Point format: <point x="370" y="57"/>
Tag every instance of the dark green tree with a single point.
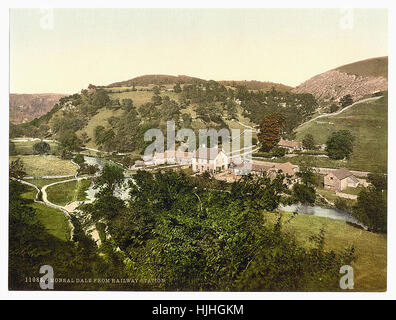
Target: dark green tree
<point x="371" y="207"/>
<point x="308" y="142"/>
<point x="340" y="145"/>
<point x="41" y="147"/>
<point x="346" y="101"/>
<point x="111" y="177"/>
<point x="17" y="169"/>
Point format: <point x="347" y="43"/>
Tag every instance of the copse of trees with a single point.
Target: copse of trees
<point x="294" y="108"/>
<point x="340" y="145"/>
<point x="197" y="238"/>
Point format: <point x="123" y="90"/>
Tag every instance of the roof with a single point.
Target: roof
<point x="260" y="168"/>
<point x="287" y="168"/>
<point x="207" y="153"/>
<point x="342" y="173"/>
<point x="289" y="143"/>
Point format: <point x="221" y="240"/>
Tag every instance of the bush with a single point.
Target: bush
<point x="79" y="159"/>
<point x="279" y="152"/>
<point x="342" y="204"/>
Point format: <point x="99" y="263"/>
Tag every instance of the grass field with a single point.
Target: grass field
<point x="64" y="193"/>
<point x="42" y="182"/>
<point x="53" y="220"/>
<point x="141" y="97"/>
<point x="49" y="165"/>
<point x="26" y="147"/>
<point x="368" y="122"/>
<point x="371" y="249"/>
<point x="99" y="119"/>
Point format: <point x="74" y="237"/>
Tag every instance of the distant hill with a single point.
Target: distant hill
<point x="375" y="67"/>
<point x="156" y="79"/>
<point x="358" y="79"/>
<point x="162" y="79"/>
<point x="26" y="107"/>
<point x="256" y="85"/>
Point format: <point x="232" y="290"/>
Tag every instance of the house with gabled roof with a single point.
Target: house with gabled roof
<point x="209" y="159"/>
<point x="290" y="145"/>
<point x="340" y="179"/>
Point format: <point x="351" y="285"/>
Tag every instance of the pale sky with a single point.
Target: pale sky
<point x="101" y="46"/>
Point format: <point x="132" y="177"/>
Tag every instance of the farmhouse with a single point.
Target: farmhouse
<point x="290" y="145"/>
<point x="340" y="179"/>
<point x="245" y="168"/>
<point x="209" y="159"/>
<point x="271" y="169"/>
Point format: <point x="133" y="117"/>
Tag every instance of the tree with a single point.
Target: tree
<point x="127" y="104"/>
<point x="333" y="108"/>
<point x="41" y="147"/>
<point x="340" y="145"/>
<point x="177" y="88"/>
<point x="270" y="131"/>
<point x="156" y="99"/>
<point x="371" y="207"/>
<point x="79" y="159"/>
<point x="304" y="191"/>
<point x="346" y="101"/>
<point x="69" y="140"/>
<point x="156" y="90"/>
<point x="17" y="169"/>
<point x="379" y="181"/>
<point x="278" y="152"/>
<point x="308" y="142"/>
<point x="12" y="149"/>
<point x="85" y="138"/>
<point x="111" y="177"/>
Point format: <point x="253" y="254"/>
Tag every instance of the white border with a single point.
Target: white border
<point x="4" y="21"/>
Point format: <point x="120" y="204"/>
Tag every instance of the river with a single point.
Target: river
<point x="331" y="213"/>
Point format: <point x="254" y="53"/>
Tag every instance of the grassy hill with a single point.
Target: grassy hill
<point x="375" y="67"/>
<point x="368" y="122"/>
<point x="370" y="248"/>
<point x="156" y="79"/>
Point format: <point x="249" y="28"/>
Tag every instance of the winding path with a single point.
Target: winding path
<point x="340" y="111"/>
<point x="49" y="204"/>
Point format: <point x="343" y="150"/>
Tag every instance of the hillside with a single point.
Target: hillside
<point x="155" y="79"/>
<point x="26" y="107"/>
<point x="358" y="79"/>
<point x="368" y="122"/>
<point x="375" y="67"/>
<point x="256" y="85"/>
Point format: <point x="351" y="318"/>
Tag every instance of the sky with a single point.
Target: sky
<point x="64" y="50"/>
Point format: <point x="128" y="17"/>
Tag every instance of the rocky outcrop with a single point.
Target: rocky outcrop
<point x="333" y="85"/>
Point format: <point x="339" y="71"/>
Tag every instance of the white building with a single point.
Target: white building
<point x="210" y="159"/>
